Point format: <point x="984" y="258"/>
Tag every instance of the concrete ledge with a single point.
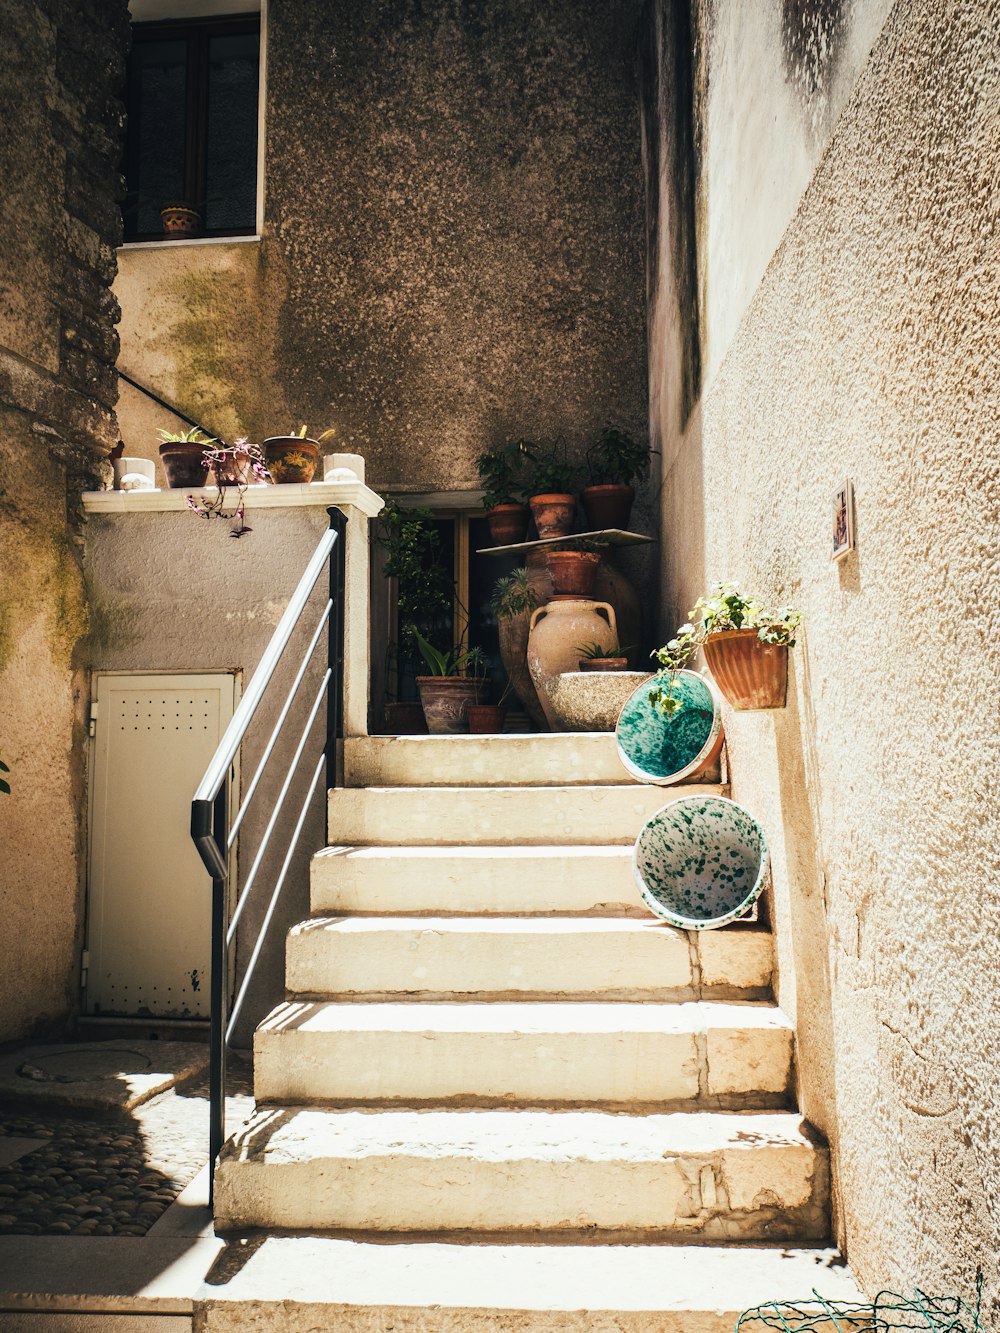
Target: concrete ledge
<point x="344" y="494"/>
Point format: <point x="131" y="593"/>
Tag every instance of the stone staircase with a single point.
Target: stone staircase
<point x="493" y="1066"/>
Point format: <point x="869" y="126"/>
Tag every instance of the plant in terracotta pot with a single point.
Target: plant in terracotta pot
<point x="448" y="688"/>
<point x="552" y="490"/>
<point x="487" y="718"/>
<point x="573" y="567"/>
<point x="595" y="657"/>
<point x="614" y="464"/>
<point x="746" y="645"/>
<point x="295" y="457"/>
<point x="512" y="603"/>
<point x="500" y="472"/>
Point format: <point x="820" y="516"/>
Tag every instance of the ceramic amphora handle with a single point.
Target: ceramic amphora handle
<point x="536" y="615"/>
<point x="606" y="606"/>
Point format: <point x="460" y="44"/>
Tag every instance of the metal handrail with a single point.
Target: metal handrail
<point x="214" y="826"/>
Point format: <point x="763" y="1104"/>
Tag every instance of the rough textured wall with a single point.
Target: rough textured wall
<point x="63" y="63"/>
<point x="452" y="249"/>
<point x="870" y="351"/>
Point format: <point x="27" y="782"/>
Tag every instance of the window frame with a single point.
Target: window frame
<point x="196" y="33"/>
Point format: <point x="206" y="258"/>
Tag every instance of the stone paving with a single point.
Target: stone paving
<point x="86" y="1174"/>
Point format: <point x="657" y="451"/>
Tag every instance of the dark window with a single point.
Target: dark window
<point x="192" y="125"/>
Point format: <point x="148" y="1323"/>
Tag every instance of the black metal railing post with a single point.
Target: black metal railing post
<point x="215" y="824"/>
<point x="219" y="987"/>
<point x="335" y="649"/>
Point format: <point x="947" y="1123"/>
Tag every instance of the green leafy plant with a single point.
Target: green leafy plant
<point x="513" y="596"/>
<point x="617" y="459"/>
<point x="303" y="434"/>
<point x="501" y="472"/>
<point x="725" y="608"/>
<point x="594" y="652"/>
<point x="193" y="436"/>
<point x="551" y="472"/>
<point x="413" y="546"/>
<point x="457" y="661"/>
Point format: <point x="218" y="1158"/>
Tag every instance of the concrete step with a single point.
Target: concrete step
<point x="611" y="1054"/>
<point x="710" y="1175"/>
<point x="559" y="759"/>
<point x="289" y="1284"/>
<point x="498" y="816"/>
<point x="558" y="957"/>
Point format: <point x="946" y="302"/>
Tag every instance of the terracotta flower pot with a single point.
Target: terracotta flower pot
<point x="444" y="700"/>
<point x="485" y="719"/>
<point x="508" y="524"/>
<point x="573" y="572"/>
<point x="182" y="464"/>
<point x="179" y="219"/>
<point x="405" y="719"/>
<point x="553" y="514"/>
<point x="291" y="459"/>
<point x="607" y="506"/>
<point x="749" y="673"/>
<point x="604" y="664"/>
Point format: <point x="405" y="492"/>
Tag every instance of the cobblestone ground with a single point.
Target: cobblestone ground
<point x="109" y="1175"/>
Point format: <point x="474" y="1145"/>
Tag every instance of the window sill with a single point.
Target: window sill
<point x="190" y="240"/>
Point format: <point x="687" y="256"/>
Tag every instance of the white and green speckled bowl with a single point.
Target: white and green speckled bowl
<point x="700" y="862"/>
<point x="661" y="749"/>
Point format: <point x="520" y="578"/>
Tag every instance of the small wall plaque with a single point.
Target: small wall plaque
<point x="843" y="520"/>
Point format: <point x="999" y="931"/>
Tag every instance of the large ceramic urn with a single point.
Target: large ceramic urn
<point x="557" y="631"/>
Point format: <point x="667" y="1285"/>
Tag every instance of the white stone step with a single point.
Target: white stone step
<point x="601" y="957"/>
<point x="523" y="1053"/>
<point x="498" y="816"/>
<point x="291" y="1284"/>
<point x="714" y="1176"/>
<point x="559" y="759"/>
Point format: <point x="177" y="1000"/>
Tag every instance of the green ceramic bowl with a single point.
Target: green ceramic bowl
<point x="700" y="862"/>
<point x="659" y="749"/>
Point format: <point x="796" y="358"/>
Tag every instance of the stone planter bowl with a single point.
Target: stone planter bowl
<point x="592" y="700"/>
<point x="700" y="862"/>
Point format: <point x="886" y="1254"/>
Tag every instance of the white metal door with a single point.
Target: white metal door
<point x="149" y="904"/>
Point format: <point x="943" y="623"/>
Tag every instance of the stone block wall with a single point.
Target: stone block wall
<point x="60" y="106"/>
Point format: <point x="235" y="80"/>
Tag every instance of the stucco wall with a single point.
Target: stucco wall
<point x="63" y="64"/>
<point x="171" y="592"/>
<point x="869" y="350"/>
<point x="452" y="249"/>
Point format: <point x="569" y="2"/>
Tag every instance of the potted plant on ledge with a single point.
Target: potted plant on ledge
<point x="294" y="458"/>
<point x="503" y="499"/>
<point x="552" y="493"/>
<point x="448" y="689"/>
<point x="614" y="463"/>
<point x="746" y="645"/>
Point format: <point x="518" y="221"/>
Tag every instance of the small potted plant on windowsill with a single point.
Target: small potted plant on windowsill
<point x="503" y="498"/>
<point x="179" y="219"/>
<point x="746" y="645"/>
<point x="182" y="455"/>
<point x="552" y="492"/>
<point x="295" y="457"/>
<point x="448" y="689"/>
<point x="614" y="463"/>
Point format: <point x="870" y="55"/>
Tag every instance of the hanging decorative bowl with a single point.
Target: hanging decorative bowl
<point x="700" y="862"/>
<point x="662" y="749"/>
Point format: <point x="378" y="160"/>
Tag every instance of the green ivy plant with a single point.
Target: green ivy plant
<point x="501" y="471"/>
<point x="413" y="546"/>
<point x="725" y="608"/>
<point x="617" y="459"/>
